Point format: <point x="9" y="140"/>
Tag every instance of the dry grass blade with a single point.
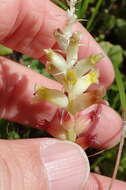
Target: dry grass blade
<point x="97" y="153"/>
<point x="118" y="156"/>
<point x="122" y="94"/>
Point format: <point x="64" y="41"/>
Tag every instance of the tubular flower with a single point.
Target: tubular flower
<point x="76" y="76"/>
<point x="53" y="96"/>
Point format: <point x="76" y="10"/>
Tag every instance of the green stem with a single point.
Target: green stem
<point x="83" y="8"/>
<point x="90" y="22"/>
<point x="60" y="3"/>
<point x="122" y="95"/>
<point x="121" y="89"/>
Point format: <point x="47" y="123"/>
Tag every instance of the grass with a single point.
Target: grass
<point x="95" y="12"/>
<point x="107" y="22"/>
<point x="82" y="8"/>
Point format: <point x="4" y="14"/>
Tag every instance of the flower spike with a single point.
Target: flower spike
<point x="76" y="76"/>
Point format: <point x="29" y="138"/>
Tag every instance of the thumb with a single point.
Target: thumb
<point x="46" y="164"/>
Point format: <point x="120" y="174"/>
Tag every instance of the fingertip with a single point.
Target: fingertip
<point x="107" y="73"/>
<point x="109" y="128"/>
<point x="41" y="17"/>
<point x="66" y="164"/>
<point x="104" y="130"/>
<point x="45" y="163"/>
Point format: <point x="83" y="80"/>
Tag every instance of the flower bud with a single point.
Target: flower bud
<point x="51" y="95"/>
<point x="83" y="83"/>
<point x="85" y="65"/>
<point x="61" y="39"/>
<point x="62" y="126"/>
<point x="73" y="48"/>
<point x="56" y="60"/>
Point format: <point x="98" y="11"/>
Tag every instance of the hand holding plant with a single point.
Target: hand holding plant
<point x="57" y="105"/>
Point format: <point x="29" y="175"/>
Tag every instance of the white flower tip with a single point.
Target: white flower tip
<point x="48" y="53"/>
<point x="75" y="38"/>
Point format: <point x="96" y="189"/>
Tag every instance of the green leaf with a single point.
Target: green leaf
<point x="82" y="8"/>
<point x="95" y="12"/>
<point x="115" y="52"/>
<point x="121" y="89"/>
<point x="108" y="21"/>
<point x="13" y="135"/>
<point x="5" y="51"/>
<point x="120" y="30"/>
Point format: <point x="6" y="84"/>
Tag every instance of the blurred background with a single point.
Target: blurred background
<point x="106" y="20"/>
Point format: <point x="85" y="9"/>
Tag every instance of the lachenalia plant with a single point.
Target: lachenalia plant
<point x="78" y="104"/>
<point x="76" y="76"/>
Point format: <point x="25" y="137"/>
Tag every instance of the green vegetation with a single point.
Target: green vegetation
<point x="106" y="20"/>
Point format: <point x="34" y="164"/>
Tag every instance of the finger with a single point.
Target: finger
<point x="17" y="87"/>
<point x="29" y="25"/>
<point x="45" y="164"/>
<point x="98" y="182"/>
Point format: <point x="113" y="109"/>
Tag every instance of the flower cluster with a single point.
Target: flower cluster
<point x="75" y="75"/>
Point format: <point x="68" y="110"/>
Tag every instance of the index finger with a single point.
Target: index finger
<point x="29" y="25"/>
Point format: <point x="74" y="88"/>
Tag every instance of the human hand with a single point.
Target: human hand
<point x="28" y="27"/>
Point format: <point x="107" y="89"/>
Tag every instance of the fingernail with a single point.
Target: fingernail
<point x="66" y="165"/>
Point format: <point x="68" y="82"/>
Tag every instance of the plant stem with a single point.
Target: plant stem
<point x="98" y="161"/>
<point x="121" y="89"/>
<point x="90" y="22"/>
<point x="83" y="8"/>
<point x="118" y="157"/>
<point x="60" y="3"/>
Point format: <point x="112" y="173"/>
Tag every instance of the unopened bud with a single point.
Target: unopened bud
<point x="56" y="59"/>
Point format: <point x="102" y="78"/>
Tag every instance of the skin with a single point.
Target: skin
<point x="27" y="26"/>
